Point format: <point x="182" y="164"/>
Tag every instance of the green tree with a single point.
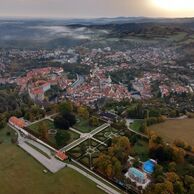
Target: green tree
<point x="179" y="188"/>
<point x="2" y="121"/>
<point x="66" y="107"/>
<point x="191" y="189"/>
<point x="61" y="123"/>
<point x="158" y="171"/>
<point x="188" y="180"/>
<point x="172" y="167"/>
<point x="70" y="118"/>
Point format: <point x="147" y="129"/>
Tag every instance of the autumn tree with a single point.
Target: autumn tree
<point x="109" y="166"/>
<point x="94" y="121"/>
<point x="178" y="154"/>
<point x="163" y="188"/>
<point x="120" y="148"/>
<point x="43" y="129"/>
<point x="110" y="163"/>
<point x="83" y="112"/>
<point x="172" y="177"/>
<point x="160" y="188"/>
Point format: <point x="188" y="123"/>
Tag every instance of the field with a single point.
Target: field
<point x="176" y="129"/>
<point x="22" y="174"/>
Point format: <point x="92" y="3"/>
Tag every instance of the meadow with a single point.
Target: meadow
<point x="177" y="129"/>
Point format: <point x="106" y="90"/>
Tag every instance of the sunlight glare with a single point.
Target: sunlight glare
<point x="173" y="5"/>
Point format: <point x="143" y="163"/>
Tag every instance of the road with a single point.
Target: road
<point x="78" y="82"/>
<point x="99" y="129"/>
<point x="52" y="164"/>
<point x="128" y="122"/>
<point x="45" y="118"/>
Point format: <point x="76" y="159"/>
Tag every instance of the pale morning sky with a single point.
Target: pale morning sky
<point x="96" y="8"/>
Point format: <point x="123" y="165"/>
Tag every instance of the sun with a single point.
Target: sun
<point x="175" y="5"/>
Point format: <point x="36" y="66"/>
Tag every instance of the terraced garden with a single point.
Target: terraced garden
<point x="87" y="152"/>
<point x="108" y="133"/>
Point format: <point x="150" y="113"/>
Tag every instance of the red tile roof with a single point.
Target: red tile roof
<point x="37" y="91"/>
<point x="18" y="122"/>
<point x="61" y="155"/>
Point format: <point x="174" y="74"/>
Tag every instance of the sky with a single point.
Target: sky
<point x="96" y="8"/>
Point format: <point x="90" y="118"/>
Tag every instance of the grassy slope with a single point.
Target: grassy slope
<point x="20" y="173"/>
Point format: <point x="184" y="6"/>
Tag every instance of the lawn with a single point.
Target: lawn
<point x="172" y="130"/>
<point x="20" y="173"/>
<point x="141" y="149"/>
<point x="35" y="127"/>
<point x="51" y="138"/>
<point x="6" y="134"/>
<point x="83" y="125"/>
<point x="136" y="125"/>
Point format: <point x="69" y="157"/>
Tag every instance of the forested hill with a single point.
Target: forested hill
<point x="154" y="29"/>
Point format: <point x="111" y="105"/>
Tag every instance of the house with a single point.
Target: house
<point x="37" y="94"/>
<point x="61" y="155"/>
<point x="17" y="122"/>
<point x="138" y="176"/>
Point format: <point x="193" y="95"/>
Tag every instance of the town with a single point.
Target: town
<point x="113" y="114"/>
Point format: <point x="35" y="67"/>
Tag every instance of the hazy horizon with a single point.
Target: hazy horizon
<point x="86" y="9"/>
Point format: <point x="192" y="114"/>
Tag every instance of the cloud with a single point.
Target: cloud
<point x="66" y="32"/>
